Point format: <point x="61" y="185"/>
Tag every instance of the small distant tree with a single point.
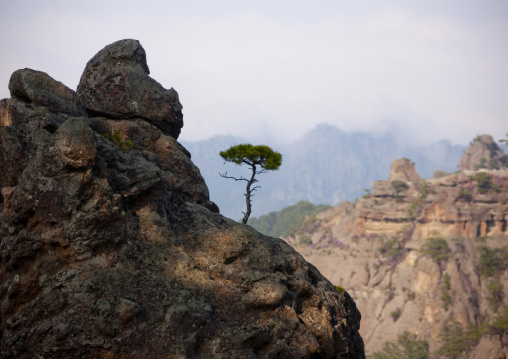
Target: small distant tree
<point x="406" y="347"/>
<point x="504" y="140"/>
<point x="260" y="158"/>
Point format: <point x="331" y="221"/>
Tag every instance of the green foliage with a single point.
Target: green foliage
<point x="500" y="323"/>
<point x="261" y="155"/>
<point x="117" y="139"/>
<point x="496" y="294"/>
<point x="483" y="182"/>
<point x="396" y="314"/>
<point x="504" y="140"/>
<point x="392" y="249"/>
<point x="287" y="221"/>
<point x="339" y="288"/>
<point x="466" y="194"/>
<point x="446" y="288"/>
<point x="406" y="347"/>
<point x="437" y="249"/>
<point x="399" y="186"/>
<point x="456" y="340"/>
<point x="304" y="240"/>
<point x="367" y="193"/>
<point x="492" y="261"/>
<point x="255" y="156"/>
<point x="482" y="239"/>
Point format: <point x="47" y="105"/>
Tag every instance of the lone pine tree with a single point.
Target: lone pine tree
<point x="260" y="158"/>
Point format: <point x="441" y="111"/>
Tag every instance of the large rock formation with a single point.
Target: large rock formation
<point x="111" y="248"/>
<point x="417" y="258"/>
<point x="484" y="153"/>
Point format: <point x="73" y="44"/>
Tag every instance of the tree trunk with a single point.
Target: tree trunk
<point x="248" y="194"/>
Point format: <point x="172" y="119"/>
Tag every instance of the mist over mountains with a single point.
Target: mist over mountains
<point x="325" y="166"/>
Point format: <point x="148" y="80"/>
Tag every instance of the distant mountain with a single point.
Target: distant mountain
<point x="326" y="166"/>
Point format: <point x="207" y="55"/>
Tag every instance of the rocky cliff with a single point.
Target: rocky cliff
<point x="420" y="256"/>
<point x="111" y="248"/>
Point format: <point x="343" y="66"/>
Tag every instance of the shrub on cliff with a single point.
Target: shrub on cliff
<point x="406" y="347"/>
<point x="399" y="187"/>
<point x="496" y="294"/>
<point x="437" y="249"/>
<point x="457" y="340"/>
<point x="493" y="260"/>
<point x="500" y="324"/>
<point x="483" y="182"/>
<point x="446" y="287"/>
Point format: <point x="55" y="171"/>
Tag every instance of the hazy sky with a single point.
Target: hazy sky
<point x="274" y="69"/>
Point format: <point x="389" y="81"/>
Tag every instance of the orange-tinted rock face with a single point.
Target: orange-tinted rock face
<point x="373" y="249"/>
<point x="110" y="250"/>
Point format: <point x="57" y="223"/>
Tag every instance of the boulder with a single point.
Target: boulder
<point x="37" y="95"/>
<point x="39" y="88"/>
<point x="115" y="84"/>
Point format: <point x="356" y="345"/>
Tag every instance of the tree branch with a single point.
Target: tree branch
<point x="225" y="175"/>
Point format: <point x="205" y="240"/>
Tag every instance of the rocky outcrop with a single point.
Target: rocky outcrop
<point x="483" y="153"/>
<point x="111" y="248"/>
<point x="403" y="170"/>
<point x="375" y="248"/>
<point x="116" y="84"/>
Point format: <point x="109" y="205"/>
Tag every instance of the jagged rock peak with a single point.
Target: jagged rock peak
<point x="115" y="84"/>
<point x="111" y="248"/>
<point x="483" y="153"/>
<point x="404" y="170"/>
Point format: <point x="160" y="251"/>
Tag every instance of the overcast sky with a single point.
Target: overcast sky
<point x="274" y="69"/>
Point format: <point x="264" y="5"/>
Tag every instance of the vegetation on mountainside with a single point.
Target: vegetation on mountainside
<point x="437" y="249"/>
<point x="499" y="325"/>
<point x="392" y="249"/>
<point x="406" y="347"/>
<point x="483" y="182"/>
<point x="492" y="260"/>
<point x="496" y="294"/>
<point x="287" y="220"/>
<point x="399" y="187"/>
<point x="457" y="340"/>
<point x="260" y="158"/>
<point x="446" y="288"/>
